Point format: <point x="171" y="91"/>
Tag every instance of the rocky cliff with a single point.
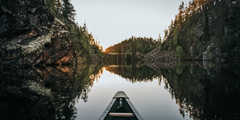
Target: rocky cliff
<point x="30" y="34"/>
<point x="206" y="30"/>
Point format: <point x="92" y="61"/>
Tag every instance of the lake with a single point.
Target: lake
<point x="150" y="98"/>
<point x="189" y="91"/>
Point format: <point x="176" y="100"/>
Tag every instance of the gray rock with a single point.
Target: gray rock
<point x="36" y="44"/>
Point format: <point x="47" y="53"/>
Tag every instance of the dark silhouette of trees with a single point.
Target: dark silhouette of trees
<point x="68" y="11"/>
<point x="134" y="45"/>
<point x="180" y="16"/>
<point x="176" y="36"/>
<point x="83" y="42"/>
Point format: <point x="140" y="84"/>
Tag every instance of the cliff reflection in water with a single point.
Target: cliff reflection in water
<point x="201" y="93"/>
<point x="209" y="94"/>
<point x="47" y="93"/>
<point x="50" y="93"/>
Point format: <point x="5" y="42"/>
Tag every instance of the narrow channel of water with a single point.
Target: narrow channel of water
<point x="150" y="98"/>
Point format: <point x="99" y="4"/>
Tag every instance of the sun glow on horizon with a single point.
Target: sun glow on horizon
<point x="111" y="22"/>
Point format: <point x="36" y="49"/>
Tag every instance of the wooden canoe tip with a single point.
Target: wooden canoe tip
<point x="121" y="114"/>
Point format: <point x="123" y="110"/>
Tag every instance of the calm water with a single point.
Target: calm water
<point x="193" y="91"/>
<point x="150" y="98"/>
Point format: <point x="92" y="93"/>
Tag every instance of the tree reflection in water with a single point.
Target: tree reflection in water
<point x="47" y="93"/>
<point x="201" y="93"/>
<point x="50" y="93"/>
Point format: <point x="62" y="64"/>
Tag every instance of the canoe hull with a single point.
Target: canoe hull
<point x="120" y="108"/>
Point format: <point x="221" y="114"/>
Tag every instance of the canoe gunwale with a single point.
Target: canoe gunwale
<point x="120" y="94"/>
<point x="107" y="109"/>
<point x="134" y="109"/>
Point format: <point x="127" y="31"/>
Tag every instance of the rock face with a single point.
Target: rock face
<point x="22" y="16"/>
<point x="30" y="34"/>
<point x="209" y="33"/>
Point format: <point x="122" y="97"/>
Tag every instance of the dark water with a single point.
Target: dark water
<point x="192" y="91"/>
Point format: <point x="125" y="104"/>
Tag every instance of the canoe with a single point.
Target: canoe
<point x="120" y="108"/>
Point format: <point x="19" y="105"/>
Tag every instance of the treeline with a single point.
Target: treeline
<point x="83" y="42"/>
<point x="173" y="36"/>
<point x="185" y="12"/>
<point x="202" y="27"/>
<point x="134" y="45"/>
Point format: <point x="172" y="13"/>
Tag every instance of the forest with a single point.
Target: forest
<point x="82" y="41"/>
<point x="52" y="68"/>
<point x="133" y="45"/>
<point x="204" y="29"/>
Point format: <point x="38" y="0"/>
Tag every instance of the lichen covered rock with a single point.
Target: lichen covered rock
<point x="31" y="35"/>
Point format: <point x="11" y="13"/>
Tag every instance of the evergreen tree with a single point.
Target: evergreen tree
<point x="159" y="38"/>
<point x="181" y="15"/>
<point x="68" y="11"/>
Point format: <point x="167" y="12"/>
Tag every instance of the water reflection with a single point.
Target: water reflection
<point x="201" y="93"/>
<point x="133" y="73"/>
<point x="46" y="93"/>
<point x="185" y="91"/>
<point x="210" y="94"/>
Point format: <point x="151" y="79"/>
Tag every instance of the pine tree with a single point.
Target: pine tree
<point x="159" y="38"/>
<point x="68" y="11"/>
<point x="181" y="13"/>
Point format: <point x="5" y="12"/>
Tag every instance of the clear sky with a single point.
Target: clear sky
<point x="112" y="21"/>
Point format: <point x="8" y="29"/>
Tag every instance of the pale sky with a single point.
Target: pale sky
<point x="112" y="21"/>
